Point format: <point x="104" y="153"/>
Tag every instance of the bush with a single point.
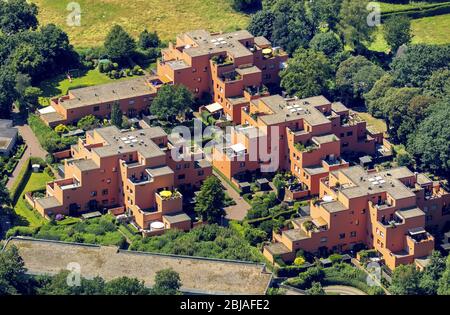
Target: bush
<point x="21" y="231"/>
<point x="305" y="279"/>
<point x="299" y="261"/>
<point x="20" y="182"/>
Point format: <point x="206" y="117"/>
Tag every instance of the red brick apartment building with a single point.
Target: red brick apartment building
<point x="387" y="211"/>
<point x="232" y="67"/>
<point x="133" y="96"/>
<point x="131" y="172"/>
<point x="310" y="136"/>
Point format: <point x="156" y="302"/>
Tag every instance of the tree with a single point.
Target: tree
<point x="429" y="281"/>
<point x="261" y="24"/>
<point x="13" y="279"/>
<point x="419" y="62"/>
<point x="397" y="31"/>
<point x="328" y="43"/>
<point x="396" y="105"/>
<point x="4" y="196"/>
<point x="246" y="5"/>
<point x="308" y="74"/>
<point x="126" y="286"/>
<point x="171" y="100"/>
<point x="210" y="201"/>
<point x="374" y="98"/>
<point x="324" y="12"/>
<point x="353" y="24"/>
<point x="405" y="281"/>
<point x="438" y="85"/>
<point x="58" y="285"/>
<point x="429" y="144"/>
<point x="17" y="15"/>
<point x="280" y="185"/>
<point x="88" y="122"/>
<point x="355" y="77"/>
<point x="116" y="115"/>
<point x="167" y="282"/>
<point x="255" y="236"/>
<point x="119" y="45"/>
<point x="148" y="40"/>
<point x="8" y="93"/>
<point x="292" y="26"/>
<point x="316" y="289"/>
<point x="444" y="282"/>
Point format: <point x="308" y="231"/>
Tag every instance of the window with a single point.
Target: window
<point x="201" y="173"/>
<point x="350" y="133"/>
<point x="341" y="236"/>
<point x="178" y="167"/>
<point x="96" y="108"/>
<point x="104" y="192"/>
<point x="353" y="234"/>
<point x="93" y="193"/>
<point x="323" y="240"/>
<point x="131" y="102"/>
<point x="182" y="176"/>
<point x="242" y="164"/>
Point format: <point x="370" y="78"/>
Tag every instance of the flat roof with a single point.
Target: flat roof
<point x="108" y="92"/>
<point x="198" y="275"/>
<point x="177" y="217"/>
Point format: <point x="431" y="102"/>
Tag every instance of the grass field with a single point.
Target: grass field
<point x="37" y="181"/>
<point x="429" y="30"/>
<point x="393" y="7"/>
<point x="168" y="17"/>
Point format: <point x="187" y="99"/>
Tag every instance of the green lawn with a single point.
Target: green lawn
<point x="60" y="85"/>
<point x="37" y="181"/>
<point x="393" y="7"/>
<point x="377" y="124"/>
<point x="432" y="30"/>
<point x="429" y="30"/>
<point x="167" y="17"/>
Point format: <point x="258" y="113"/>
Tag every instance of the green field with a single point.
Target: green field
<point x="168" y="17"/>
<point x="37" y="181"/>
<point x="393" y="7"/>
<point x="429" y="30"/>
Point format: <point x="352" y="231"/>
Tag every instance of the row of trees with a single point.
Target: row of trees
<point x="435" y="279"/>
<point x="14" y="280"/>
<point x="28" y="54"/>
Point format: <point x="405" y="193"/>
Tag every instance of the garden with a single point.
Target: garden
<point x="8" y="164"/>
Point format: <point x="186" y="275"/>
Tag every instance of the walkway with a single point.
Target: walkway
<point x="33" y="149"/>
<point x="238" y="211"/>
<point x="343" y="290"/>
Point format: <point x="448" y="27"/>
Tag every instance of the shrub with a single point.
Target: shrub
<point x="20" y="182"/>
<point x="299" y="261"/>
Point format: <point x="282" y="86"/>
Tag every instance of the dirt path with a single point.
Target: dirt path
<point x="343" y="290"/>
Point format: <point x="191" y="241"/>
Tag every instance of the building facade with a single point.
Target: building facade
<point x="383" y="210"/>
<point x="133" y="172"/>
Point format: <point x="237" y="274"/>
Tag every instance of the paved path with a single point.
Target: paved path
<point x="343" y="290"/>
<point x="238" y="211"/>
<point x="33" y="149"/>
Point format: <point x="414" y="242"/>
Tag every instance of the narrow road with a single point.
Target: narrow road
<point x="33" y="149"/>
<point x="238" y="211"/>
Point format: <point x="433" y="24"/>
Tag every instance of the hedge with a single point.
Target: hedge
<point x="257" y="221"/>
<point x="417" y="13"/>
<point x="21" y="181"/>
<point x="292" y="271"/>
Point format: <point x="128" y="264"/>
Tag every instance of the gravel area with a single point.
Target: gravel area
<point x="198" y="275"/>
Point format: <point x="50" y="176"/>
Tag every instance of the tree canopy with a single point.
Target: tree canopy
<point x="397" y="31"/>
<point x="308" y="74"/>
<point x="167" y="282"/>
<point x="17" y="15"/>
<point x="210" y="201"/>
<point x="119" y="45"/>
<point x="171" y="100"/>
